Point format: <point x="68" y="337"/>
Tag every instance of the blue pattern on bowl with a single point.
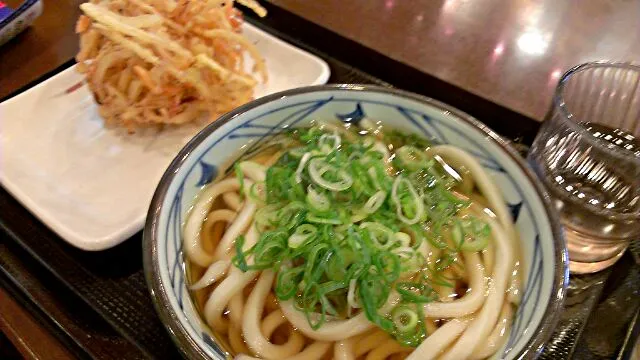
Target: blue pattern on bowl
<point x="433" y="121"/>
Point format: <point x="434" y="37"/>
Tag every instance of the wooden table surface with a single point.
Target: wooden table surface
<point x="49" y="43"/>
<point x="511" y="52"/>
<point x="508" y="51"/>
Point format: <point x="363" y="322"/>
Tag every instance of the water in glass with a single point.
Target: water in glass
<point x="587" y="153"/>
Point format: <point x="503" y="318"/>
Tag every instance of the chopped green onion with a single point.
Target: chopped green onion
<point x="301" y="166"/>
<point x="381" y="236"/>
<point x="403" y="238"/>
<point x="240" y="260"/>
<point x="292" y="215"/>
<point x="338" y="180"/>
<point x="320" y="220"/>
<point x="240" y="177"/>
<point x="329" y="143"/>
<point x="457" y="234"/>
<point x="257" y="192"/>
<point x="266" y="217"/>
<point x="303" y="234"/>
<point x="409" y="205"/>
<point x="375" y="202"/>
<point x="405" y="319"/>
<point x="470" y="235"/>
<point x="317" y="200"/>
<point x="410" y="329"/>
<point x="286" y="282"/>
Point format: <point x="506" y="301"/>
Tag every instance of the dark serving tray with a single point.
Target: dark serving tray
<point x="97" y="303"/>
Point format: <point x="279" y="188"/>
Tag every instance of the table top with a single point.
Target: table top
<point x="517" y="83"/>
<point x="510" y="52"/>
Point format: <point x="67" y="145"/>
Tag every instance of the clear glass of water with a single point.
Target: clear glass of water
<point x="587" y="154"/>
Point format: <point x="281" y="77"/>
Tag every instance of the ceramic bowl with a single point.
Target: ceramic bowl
<point x="204" y="157"/>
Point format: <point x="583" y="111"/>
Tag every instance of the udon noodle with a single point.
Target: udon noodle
<point x="347" y="242"/>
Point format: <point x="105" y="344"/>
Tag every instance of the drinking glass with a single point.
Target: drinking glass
<point x="587" y="154"/>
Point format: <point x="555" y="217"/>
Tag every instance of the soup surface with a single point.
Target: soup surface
<point x="354" y="242"/>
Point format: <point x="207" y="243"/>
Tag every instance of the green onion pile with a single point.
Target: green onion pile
<point x="342" y="221"/>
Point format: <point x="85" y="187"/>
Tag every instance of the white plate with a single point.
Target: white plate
<point x="92" y="185"/>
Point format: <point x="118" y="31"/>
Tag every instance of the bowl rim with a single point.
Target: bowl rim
<point x="188" y="345"/>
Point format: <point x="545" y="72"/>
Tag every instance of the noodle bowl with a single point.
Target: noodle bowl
<point x="326" y="242"/>
<point x="354" y="243"/>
